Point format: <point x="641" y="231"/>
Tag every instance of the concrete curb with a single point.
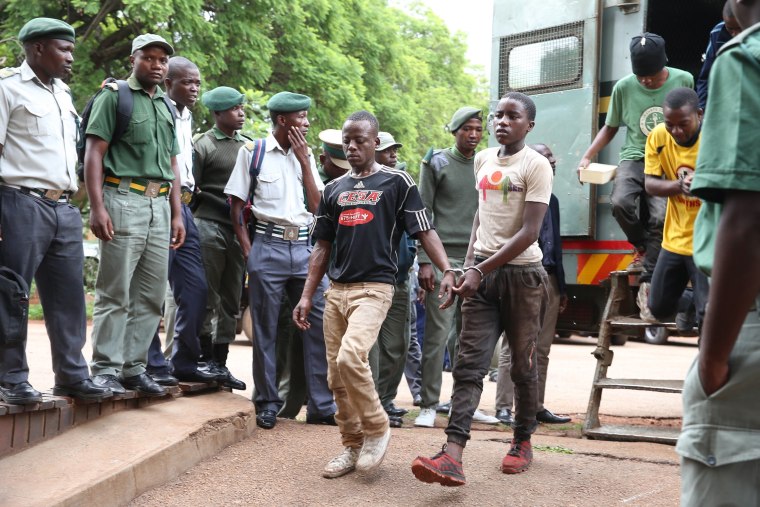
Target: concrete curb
<point x="112" y="460"/>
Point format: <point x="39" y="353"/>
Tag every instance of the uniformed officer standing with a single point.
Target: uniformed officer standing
<point x="215" y="155"/>
<point x="40" y="231"/>
<point x="287" y="192"/>
<point x="128" y="182"/>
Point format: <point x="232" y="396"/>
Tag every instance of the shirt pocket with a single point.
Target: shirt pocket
<point x="40" y="119"/>
<point x="138" y="131"/>
<point x="270" y="184"/>
<point x="71" y="124"/>
<point x="166" y="128"/>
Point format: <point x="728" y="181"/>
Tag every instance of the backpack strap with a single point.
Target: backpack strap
<point x="124" y="105"/>
<point x="257" y="159"/>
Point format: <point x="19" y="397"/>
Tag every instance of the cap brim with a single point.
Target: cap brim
<point x="163" y="45"/>
<point x="343" y="164"/>
<point x="382" y="147"/>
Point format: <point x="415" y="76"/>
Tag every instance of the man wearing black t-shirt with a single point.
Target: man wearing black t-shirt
<point x="364" y="214"/>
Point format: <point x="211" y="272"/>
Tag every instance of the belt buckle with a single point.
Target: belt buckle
<point x="152" y="189"/>
<point x="186" y="197"/>
<point x="53" y="195"/>
<point x="290" y="232"/>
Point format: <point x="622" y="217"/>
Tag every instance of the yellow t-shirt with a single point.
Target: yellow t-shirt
<point x="664" y="157"/>
<point x="504" y="184"/>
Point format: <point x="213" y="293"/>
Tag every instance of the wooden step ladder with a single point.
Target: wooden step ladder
<point x="616" y="320"/>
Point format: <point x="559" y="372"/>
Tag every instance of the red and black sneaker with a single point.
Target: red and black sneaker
<point x="441" y="468"/>
<point x="519" y="457"/>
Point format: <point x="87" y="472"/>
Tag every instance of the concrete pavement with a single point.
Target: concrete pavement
<point x="111" y="460"/>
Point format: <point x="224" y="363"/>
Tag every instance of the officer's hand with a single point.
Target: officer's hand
<point x="562" y="303"/>
<point x="426" y="277"/>
<point x="585" y="161"/>
<point x="178" y="233"/>
<point x="101" y="225"/>
<point x="246" y="248"/>
<point x="468" y="284"/>
<point x="446" y="293"/>
<point x="712" y="374"/>
<point x="299" y="146"/>
<point x="421" y="295"/>
<point x="301" y="314"/>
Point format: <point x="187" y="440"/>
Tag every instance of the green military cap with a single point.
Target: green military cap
<point x="386" y="141"/>
<point x="462" y="116"/>
<point x="332" y="144"/>
<point x="288" y="102"/>
<point x="46" y="28"/>
<point x="222" y="98"/>
<point x="151" y="39"/>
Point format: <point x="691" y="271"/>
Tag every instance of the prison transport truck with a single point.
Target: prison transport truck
<point x="567" y="55"/>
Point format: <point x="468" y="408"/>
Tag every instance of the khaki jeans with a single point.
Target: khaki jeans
<point x="353" y="315"/>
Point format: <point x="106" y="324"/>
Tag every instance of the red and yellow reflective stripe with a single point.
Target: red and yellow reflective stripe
<point x="593" y="268"/>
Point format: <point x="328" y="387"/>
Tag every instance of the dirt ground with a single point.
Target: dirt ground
<point x="283" y="467"/>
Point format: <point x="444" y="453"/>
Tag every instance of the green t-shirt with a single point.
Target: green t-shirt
<point x="730" y="150"/>
<point x="639" y="109"/>
<point x="146" y="148"/>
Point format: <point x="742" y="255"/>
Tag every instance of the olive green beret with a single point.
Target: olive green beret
<point x="222" y="98"/>
<point x="46" y="28"/>
<point x="287" y="102"/>
<point x="462" y="116"/>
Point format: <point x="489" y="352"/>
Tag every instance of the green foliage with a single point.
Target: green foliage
<point x="405" y="67"/>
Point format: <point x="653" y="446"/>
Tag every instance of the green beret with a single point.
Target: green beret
<point x="462" y="116"/>
<point x="46" y="28"/>
<point x="287" y="102"/>
<point x="222" y="98"/>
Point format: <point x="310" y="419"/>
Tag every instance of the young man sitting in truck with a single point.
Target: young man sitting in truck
<point x="636" y="104"/>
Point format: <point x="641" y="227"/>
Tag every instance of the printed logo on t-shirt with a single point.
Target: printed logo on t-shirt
<point x="359" y="185"/>
<point x="356" y="216"/>
<point x="650" y="118"/>
<point x="352" y="197"/>
<point x="498" y="180"/>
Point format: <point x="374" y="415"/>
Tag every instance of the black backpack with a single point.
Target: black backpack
<point x="124" y="106"/>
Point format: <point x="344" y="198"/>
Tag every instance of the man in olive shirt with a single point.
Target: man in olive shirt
<point x="135" y="212"/>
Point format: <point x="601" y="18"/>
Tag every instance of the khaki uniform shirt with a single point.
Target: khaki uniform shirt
<point x="146" y="148"/>
<point x="38" y="132"/>
<point x="279" y="196"/>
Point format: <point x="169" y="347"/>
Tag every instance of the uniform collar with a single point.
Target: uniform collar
<point x="135" y="85"/>
<point x="221" y="135"/>
<point x="739" y="38"/>
<point x="27" y="74"/>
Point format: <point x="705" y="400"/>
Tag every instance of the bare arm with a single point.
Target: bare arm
<point x="318" y="261"/>
<point x="100" y="222"/>
<point x="240" y="230"/>
<point x="434" y="249"/>
<point x="301" y="150"/>
<point x="602" y="139"/>
<point x="655" y="185"/>
<point x="533" y="217"/>
<point x="736" y="258"/>
<point x="469" y="259"/>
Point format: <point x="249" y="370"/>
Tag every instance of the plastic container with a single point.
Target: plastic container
<point x="598" y="174"/>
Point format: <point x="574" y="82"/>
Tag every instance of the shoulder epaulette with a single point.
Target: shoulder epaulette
<point x="249" y="145"/>
<point x="197" y="136"/>
<point x="428" y="156"/>
<point x="9" y="71"/>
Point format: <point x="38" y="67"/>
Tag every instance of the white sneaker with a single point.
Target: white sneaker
<point x="426" y="419"/>
<point x="480" y="417"/>
<point x="342" y="464"/>
<point x="373" y="452"/>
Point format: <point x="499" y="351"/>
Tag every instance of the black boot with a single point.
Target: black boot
<point x="221" y="351"/>
<point x="207" y="348"/>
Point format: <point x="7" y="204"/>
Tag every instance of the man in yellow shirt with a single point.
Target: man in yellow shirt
<point x="671" y="156"/>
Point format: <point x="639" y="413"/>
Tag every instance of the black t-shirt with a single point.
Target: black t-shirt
<point x="364" y="219"/>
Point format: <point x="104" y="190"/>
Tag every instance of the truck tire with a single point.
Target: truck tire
<point x="618" y="339"/>
<point x="656" y="335"/>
